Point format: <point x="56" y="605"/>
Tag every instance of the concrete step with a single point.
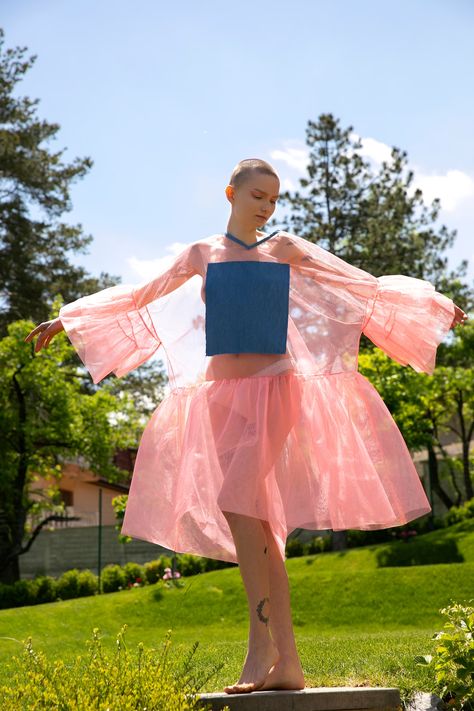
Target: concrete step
<point x="323" y="698"/>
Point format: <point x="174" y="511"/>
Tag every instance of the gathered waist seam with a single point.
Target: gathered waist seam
<point x="289" y="373"/>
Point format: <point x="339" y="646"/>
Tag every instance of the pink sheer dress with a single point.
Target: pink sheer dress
<point x="266" y="413"/>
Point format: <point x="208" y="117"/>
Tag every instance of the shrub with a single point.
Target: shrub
<point x="20" y="593"/>
<point x="460" y="513"/>
<point x="153" y="571"/>
<point x="101" y="679"/>
<point x="319" y="544"/>
<point x="134" y="573"/>
<point x="294" y="548"/>
<point x="46" y="589"/>
<point x="189" y="564"/>
<point x="214" y="564"/>
<point x="452" y="663"/>
<point x="76" y="583"/>
<point x="112" y="578"/>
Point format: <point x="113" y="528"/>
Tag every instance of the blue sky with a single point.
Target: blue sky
<point x="167" y="97"/>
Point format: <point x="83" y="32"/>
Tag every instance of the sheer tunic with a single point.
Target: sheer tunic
<point x="266" y="413"/>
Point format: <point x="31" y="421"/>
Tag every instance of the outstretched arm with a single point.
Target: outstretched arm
<point x="112" y="330"/>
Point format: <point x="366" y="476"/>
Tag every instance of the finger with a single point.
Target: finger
<point x="39" y="329"/>
<point x="39" y="343"/>
<point x="30" y="335"/>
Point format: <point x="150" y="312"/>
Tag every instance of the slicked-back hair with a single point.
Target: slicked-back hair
<point x="244" y="169"/>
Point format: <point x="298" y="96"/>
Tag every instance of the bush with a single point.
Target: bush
<point x="134" y="573"/>
<point x="189" y="564"/>
<point x="112" y="578"/>
<point x="214" y="564"/>
<point x="460" y="513"/>
<point x="46" y="589"/>
<point x="453" y="661"/>
<point x="153" y="571"/>
<point x="20" y="593"/>
<point x="76" y="583"/>
<point x="357" y="538"/>
<point x="101" y="679"/>
<point x="319" y="544"/>
<point x="294" y="548"/>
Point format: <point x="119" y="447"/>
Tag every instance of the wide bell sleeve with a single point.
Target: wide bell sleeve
<point x="112" y="329"/>
<point x="407" y="318"/>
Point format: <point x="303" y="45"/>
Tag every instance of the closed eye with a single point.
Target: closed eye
<point x="259" y="198"/>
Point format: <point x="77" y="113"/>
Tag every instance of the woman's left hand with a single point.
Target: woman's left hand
<point x="459" y="316"/>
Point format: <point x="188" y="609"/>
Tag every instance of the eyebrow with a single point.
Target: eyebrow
<point x="262" y="191"/>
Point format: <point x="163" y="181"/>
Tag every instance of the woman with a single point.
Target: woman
<point x="268" y="426"/>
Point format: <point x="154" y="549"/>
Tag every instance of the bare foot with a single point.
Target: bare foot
<point x="257" y="664"/>
<point x="284" y="675"/>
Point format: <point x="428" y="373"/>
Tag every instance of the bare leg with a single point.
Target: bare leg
<point x="251" y="546"/>
<point x="287" y="672"/>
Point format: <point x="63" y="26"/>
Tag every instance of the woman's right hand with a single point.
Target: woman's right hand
<point x="46" y="331"/>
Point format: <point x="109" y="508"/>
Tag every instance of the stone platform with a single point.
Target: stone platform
<point x="323" y="698"/>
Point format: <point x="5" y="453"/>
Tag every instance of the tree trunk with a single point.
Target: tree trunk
<point x="9" y="558"/>
<point x="434" y="477"/>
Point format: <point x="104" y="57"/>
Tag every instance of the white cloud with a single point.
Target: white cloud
<point x="149" y="268"/>
<point x="375" y="150"/>
<point x="452" y="187"/>
<point x="295" y="158"/>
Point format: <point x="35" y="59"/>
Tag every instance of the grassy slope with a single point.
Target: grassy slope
<point x="355" y="623"/>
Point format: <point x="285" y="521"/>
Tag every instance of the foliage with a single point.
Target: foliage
<point x="134" y="573"/>
<point x="318" y="544"/>
<point x="460" y="513"/>
<point x="369" y="214"/>
<point x="294" y="547"/>
<point x="426" y="407"/>
<point x="46" y="418"/>
<point x="112" y="578"/>
<point x="80" y="583"/>
<point x="105" y="680"/>
<point x="155" y="569"/>
<point x="76" y="583"/>
<point x="34" y="253"/>
<point x="119" y="504"/>
<point x="453" y="660"/>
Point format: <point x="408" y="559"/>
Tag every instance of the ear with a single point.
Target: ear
<point x="229" y="191"/>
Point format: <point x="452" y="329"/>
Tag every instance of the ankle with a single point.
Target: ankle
<point x="260" y="642"/>
<point x="290" y="659"/>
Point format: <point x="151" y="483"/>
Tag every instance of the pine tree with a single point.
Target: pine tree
<point x="34" y="262"/>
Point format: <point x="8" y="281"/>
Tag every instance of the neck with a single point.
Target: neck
<point x="249" y="236"/>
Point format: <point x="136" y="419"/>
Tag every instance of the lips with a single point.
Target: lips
<point x="262" y="217"/>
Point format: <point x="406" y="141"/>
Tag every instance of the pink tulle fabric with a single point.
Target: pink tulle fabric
<point x="409" y="320"/>
<point x="300" y="439"/>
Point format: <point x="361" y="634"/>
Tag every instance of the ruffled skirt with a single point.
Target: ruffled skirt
<point x="299" y="451"/>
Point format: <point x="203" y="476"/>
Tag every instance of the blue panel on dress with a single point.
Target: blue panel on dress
<point x="247" y="307"/>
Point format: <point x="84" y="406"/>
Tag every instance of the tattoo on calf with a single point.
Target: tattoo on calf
<point x="265" y="550"/>
<point x="259" y="610"/>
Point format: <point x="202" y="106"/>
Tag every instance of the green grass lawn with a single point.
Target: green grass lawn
<point x="355" y="623"/>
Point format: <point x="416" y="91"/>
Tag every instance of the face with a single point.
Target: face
<point x="254" y="202"/>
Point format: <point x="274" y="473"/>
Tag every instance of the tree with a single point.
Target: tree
<point x="46" y="416"/>
<point x="368" y="218"/>
<point x="425" y="407"/>
<point x="34" y="263"/>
